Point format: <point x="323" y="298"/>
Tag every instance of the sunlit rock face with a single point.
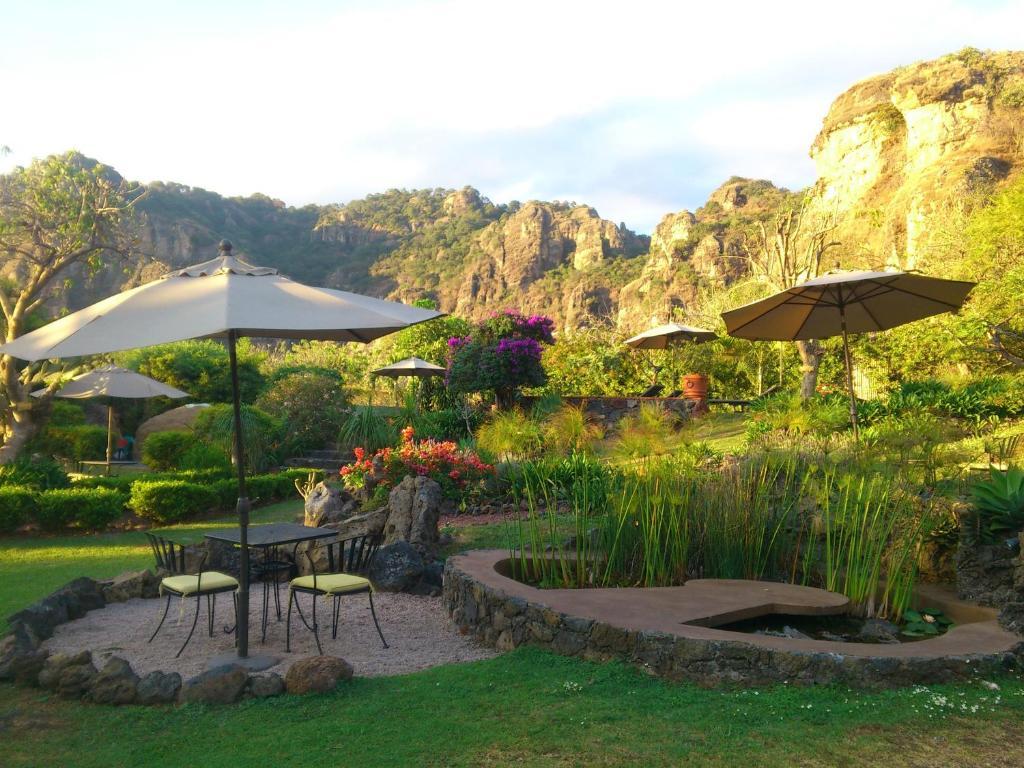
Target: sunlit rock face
<point x="897" y="150"/>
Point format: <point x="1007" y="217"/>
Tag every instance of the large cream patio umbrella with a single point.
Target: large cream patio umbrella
<point x="112" y="381"/>
<point x="223" y="298"/>
<point x="845" y="303"/>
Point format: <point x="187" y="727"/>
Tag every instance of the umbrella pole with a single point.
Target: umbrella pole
<point x="849" y="375"/>
<point x="242" y="627"/>
<point x="110" y="435"/>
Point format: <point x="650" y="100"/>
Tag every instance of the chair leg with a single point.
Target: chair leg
<point x="195" y="620"/>
<point x="263" y="622"/>
<point x="288" y="629"/>
<point x="375" y="622"/>
<point x="334" y="623"/>
<point x="211" y="608"/>
<point x="234" y="629"/>
<point x="162" y="618"/>
<point x="277" y="594"/>
<point x="316" y="629"/>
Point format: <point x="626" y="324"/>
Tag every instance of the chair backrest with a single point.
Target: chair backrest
<point x="348" y="555"/>
<point x="652" y="391"/>
<point x="170" y="555"/>
<point x="353" y="555"/>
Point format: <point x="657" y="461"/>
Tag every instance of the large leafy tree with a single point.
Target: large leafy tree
<point x="60" y="216"/>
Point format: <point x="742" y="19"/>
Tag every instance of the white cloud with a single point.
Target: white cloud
<point x="321" y="102"/>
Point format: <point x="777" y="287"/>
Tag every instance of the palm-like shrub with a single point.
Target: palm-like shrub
<point x="367" y="427"/>
<point x="570" y="430"/>
<point x="261" y="433"/>
<point x="999" y="504"/>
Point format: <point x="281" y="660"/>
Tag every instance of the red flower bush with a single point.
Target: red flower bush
<point x="457" y="471"/>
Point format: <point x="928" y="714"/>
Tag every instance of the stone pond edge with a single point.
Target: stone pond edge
<point x="506" y="622"/>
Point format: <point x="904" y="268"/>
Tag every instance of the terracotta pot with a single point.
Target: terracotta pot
<point x="695" y="387"/>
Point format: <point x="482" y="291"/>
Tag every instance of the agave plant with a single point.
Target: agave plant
<point x="999" y="502"/>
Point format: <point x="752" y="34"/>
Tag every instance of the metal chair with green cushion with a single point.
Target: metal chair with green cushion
<point x="346" y="561"/>
<point x="170" y="557"/>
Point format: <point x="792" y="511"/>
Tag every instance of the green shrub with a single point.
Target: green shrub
<point x="38" y="472"/>
<point x="168" y="501"/>
<point x="80" y="442"/>
<point x="86" y="508"/>
<point x="444" y="424"/>
<point x="65" y="414"/>
<point x="225" y="493"/>
<point x="17" y="502"/>
<point x="201" y="456"/>
<point x="163" y="451"/>
<point x="311" y="406"/>
<point x="509" y="435"/>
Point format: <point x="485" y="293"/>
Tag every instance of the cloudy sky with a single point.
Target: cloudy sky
<point x="638" y="108"/>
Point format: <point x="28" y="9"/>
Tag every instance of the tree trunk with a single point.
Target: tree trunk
<point x="810" y="359"/>
<point x="20" y="428"/>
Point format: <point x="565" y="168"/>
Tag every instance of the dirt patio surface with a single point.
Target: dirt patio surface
<point x="418" y="631"/>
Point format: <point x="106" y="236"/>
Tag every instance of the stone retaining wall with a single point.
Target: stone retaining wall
<point x="505" y="622"/>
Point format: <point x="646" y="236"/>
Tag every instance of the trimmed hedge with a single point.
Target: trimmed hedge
<point x="168" y="501"/>
<point x="88" y="508"/>
<point x="125" y="482"/>
<point x="173" y="500"/>
<point x="17" y="503"/>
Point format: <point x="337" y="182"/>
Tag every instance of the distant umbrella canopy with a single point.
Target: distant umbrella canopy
<point x="223" y="298"/>
<point x="411" y="366"/>
<point x="112" y="381"/>
<point x="665" y="336"/>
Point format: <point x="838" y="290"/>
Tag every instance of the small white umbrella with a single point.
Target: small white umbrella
<point x="112" y="381"/>
<point x="411" y="366"/>
<point x="223" y="298"/>
<point x="665" y="336"/>
<point x="845" y="303"/>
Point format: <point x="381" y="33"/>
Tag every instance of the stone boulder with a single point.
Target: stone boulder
<point x="158" y="688"/>
<point x="328" y="504"/>
<point x="985" y="572"/>
<point x="414" y="507"/>
<point x="368" y="523"/>
<point x="24" y="666"/>
<point x="76" y="680"/>
<point x="49" y="675"/>
<point x="317" y="674"/>
<point x="70" y="602"/>
<point x="132" y="584"/>
<point x="396" y="567"/>
<point x="220" y="685"/>
<point x="264" y="686"/>
<point x="116" y="683"/>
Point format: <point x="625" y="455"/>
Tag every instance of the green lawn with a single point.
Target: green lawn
<point x="530" y="708"/>
<point x="32" y="567"/>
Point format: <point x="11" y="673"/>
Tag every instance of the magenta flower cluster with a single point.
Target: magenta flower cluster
<point x="519" y="353"/>
<point x="537" y="327"/>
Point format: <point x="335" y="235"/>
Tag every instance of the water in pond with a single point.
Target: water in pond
<point x="841" y="628"/>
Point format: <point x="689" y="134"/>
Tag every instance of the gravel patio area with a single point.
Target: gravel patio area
<point x="418" y="631"/>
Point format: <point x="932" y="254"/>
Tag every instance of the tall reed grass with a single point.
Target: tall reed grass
<point x="662" y="521"/>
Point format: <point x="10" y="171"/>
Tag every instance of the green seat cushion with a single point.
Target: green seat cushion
<point x="332" y="583"/>
<point x="189" y="585"/>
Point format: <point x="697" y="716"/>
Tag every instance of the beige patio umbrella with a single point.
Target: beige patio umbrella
<point x="845" y="303"/>
<point x="411" y="366"/>
<point x="665" y="336"/>
<point x="111" y="381"/>
<point x="223" y="298"/>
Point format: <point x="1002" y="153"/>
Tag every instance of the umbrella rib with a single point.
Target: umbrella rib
<point x="925" y="297"/>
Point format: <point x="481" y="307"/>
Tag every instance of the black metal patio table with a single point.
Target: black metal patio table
<point x="270" y="537"/>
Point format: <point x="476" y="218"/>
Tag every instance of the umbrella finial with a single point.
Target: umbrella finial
<point x="225" y="247"/>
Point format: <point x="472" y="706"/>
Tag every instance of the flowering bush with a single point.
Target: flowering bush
<point x="457" y="471"/>
<point x="502" y="355"/>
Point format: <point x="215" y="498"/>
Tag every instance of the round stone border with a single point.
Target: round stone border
<point x="74" y="675"/>
<point x="484" y="606"/>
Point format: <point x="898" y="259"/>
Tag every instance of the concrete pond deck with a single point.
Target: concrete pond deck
<point x="675" y="627"/>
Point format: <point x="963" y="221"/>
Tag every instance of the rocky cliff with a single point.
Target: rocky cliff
<point x="896" y="155"/>
<point x="897" y="150"/>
